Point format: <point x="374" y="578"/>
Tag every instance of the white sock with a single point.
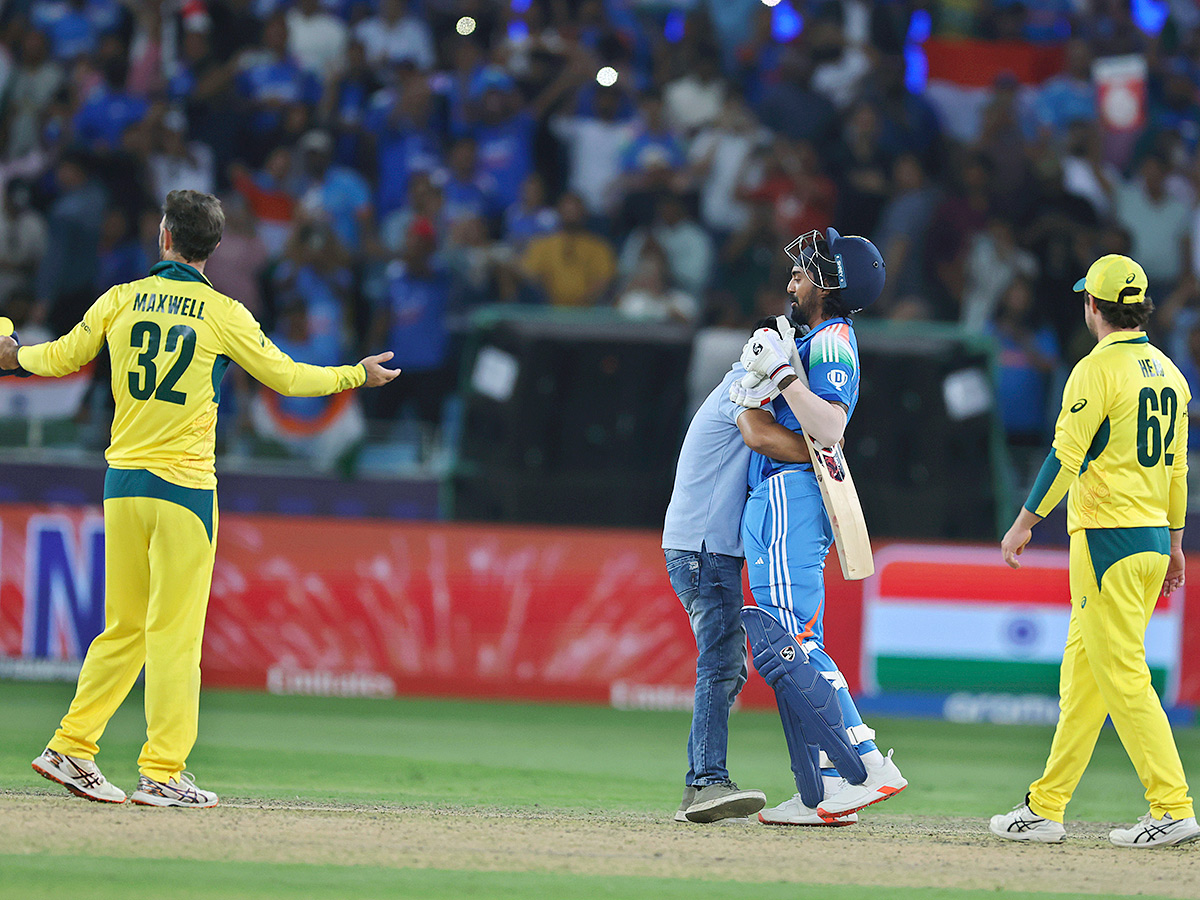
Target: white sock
<point x="873" y="758"/>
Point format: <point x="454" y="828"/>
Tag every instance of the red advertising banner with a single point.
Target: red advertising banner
<point x="375" y="608"/>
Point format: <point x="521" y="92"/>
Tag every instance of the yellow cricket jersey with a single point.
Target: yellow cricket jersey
<point x="1120" y="445"/>
<point x="171" y="336"/>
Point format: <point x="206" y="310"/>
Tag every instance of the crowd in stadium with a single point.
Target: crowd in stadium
<point x="387" y="166"/>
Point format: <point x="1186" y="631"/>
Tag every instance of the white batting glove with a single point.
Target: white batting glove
<point x="766" y="356"/>
<point x="752" y="391"/>
<point x="787" y="332"/>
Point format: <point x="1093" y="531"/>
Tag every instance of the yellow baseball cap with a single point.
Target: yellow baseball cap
<point x="1108" y="276"/>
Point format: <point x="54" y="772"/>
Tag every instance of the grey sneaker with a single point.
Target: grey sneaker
<point x="176" y="792"/>
<point x="689" y="795"/>
<point x="1152" y="832"/>
<point x="724" y="800"/>
<point x="79" y="776"/>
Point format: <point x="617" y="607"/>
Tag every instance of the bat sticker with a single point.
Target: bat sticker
<point x="832" y="464"/>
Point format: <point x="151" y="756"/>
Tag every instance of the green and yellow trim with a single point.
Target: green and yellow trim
<point x="140" y="483"/>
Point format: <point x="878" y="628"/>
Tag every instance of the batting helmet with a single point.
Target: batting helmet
<point x="851" y="265"/>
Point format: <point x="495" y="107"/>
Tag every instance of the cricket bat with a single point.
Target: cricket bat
<point x="841" y="503"/>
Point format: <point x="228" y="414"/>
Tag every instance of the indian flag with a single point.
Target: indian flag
<point x="945" y="619"/>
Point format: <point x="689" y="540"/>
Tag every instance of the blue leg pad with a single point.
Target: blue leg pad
<point x="804" y="756"/>
<point x="807" y="694"/>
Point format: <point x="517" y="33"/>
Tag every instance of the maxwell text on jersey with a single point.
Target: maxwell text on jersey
<point x="168" y="303"/>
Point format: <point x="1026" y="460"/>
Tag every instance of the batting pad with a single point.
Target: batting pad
<point x="804" y="690"/>
<point x="802" y="753"/>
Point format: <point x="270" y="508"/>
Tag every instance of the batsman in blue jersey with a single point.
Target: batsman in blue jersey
<point x="787" y="533"/>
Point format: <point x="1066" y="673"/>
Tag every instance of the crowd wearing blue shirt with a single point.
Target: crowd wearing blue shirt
<point x="410" y="192"/>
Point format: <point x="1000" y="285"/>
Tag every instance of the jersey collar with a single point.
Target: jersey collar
<point x="1123" y="337"/>
<point x="812" y="331"/>
<point x="178" y="271"/>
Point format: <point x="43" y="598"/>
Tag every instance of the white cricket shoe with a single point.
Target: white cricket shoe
<point x="79" y="776"/>
<point x="794" y="812"/>
<point x="1023" y="824"/>
<point x="884" y="781"/>
<point x="1152" y="832"/>
<point x="176" y="792"/>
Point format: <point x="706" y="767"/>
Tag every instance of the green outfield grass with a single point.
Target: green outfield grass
<point x="429" y="753"/>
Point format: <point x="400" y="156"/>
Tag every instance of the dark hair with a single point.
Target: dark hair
<point x="1125" y="315"/>
<point x="834" y="307"/>
<point x="195" y="221"/>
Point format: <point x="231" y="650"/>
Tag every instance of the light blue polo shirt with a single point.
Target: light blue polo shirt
<point x="710" y="478"/>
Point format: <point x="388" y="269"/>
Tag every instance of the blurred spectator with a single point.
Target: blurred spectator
<point x="956" y="222"/>
<point x="694" y="100"/>
<point x="268" y="199"/>
<point x="1086" y="173"/>
<point x="1028" y="355"/>
<point x="1068" y="98"/>
<point x="394" y="36"/>
<point x="122" y="258"/>
<point x="718" y="159"/>
<point x="1002" y="142"/>
<point x="529" y="217"/>
<point x="22" y="240"/>
<point x="862" y="170"/>
<point x="181" y="164"/>
<point x="236" y="266"/>
<point x="791" y="105"/>
<point x="901" y="237"/>
<point x="27" y="96"/>
<point x="321" y="429"/>
<point x="345" y="104"/>
<point x="1159" y="224"/>
<point x="468" y="192"/>
<point x="316" y="39"/>
<point x="271" y="81"/>
<point x="410" y="320"/>
<point x="315" y="270"/>
<point x="840" y="66"/>
<point x="19" y="306"/>
<point x="102" y="120"/>
<point x="66" y="277"/>
<point x="504" y="137"/>
<point x="481" y="270"/>
<point x="204" y="85"/>
<point x="791" y="182"/>
<point x="336" y="193"/>
<point x="748" y="262"/>
<point x="687" y="246"/>
<point x="650" y="160"/>
<point x="401" y="124"/>
<point x="74" y="26"/>
<point x="146" y="63"/>
<point x="649" y="296"/>
<point x="910" y="123"/>
<point x="425" y="201"/>
<point x="570" y="266"/>
<point x="595" y="144"/>
<point x="993" y="263"/>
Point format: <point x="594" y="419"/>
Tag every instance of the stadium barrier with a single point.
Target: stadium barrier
<point x="342" y="607"/>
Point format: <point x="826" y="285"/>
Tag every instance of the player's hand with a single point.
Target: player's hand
<point x="1174" y="578"/>
<point x="766" y="355"/>
<point x="8" y="354"/>
<point x="752" y="391"/>
<point x="376" y="374"/>
<point x="1014" y="543"/>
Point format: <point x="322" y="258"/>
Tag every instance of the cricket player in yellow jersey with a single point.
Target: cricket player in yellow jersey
<point x="171" y="337"/>
<point x="1120" y="454"/>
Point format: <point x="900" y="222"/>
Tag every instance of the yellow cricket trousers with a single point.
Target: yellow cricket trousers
<point x="159" y="545"/>
<point x="1104" y="672"/>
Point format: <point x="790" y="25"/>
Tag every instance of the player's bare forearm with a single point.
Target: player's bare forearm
<point x="824" y="420"/>
<point x="1013" y="543"/>
<point x="764" y="435"/>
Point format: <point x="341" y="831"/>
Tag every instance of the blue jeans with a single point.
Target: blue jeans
<point x="709" y="585"/>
